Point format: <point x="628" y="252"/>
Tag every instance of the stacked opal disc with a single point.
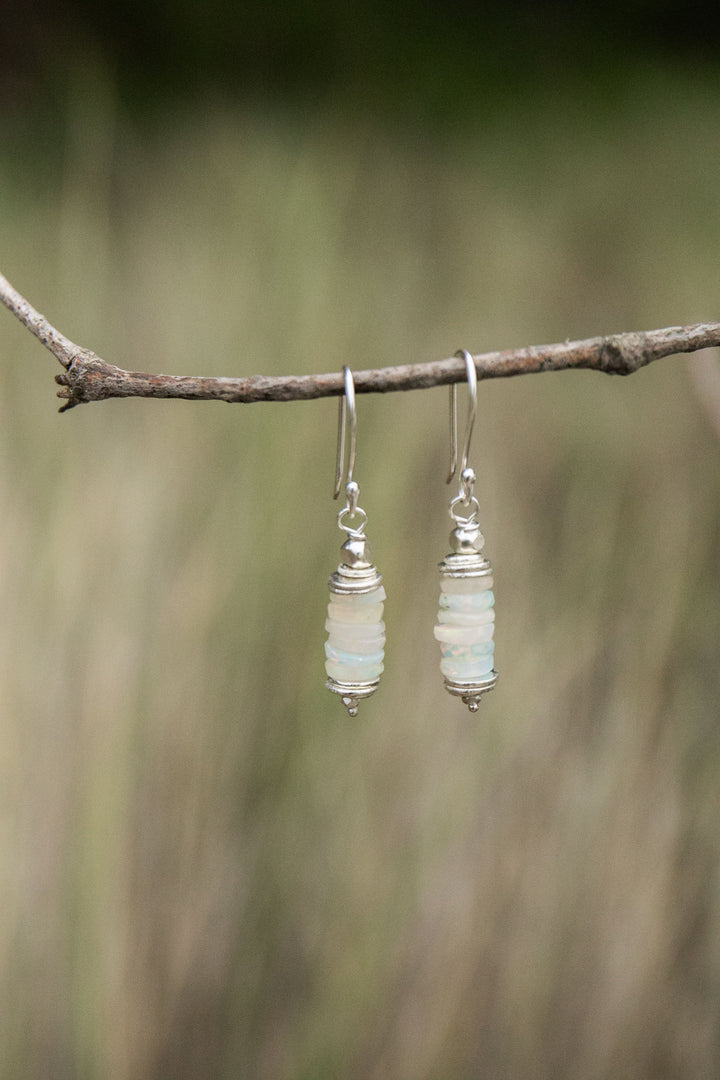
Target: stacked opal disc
<point x="356" y="636"/>
<point x="466" y="621"/>
<point x="355" y="648"/>
<point x="465" y="626"/>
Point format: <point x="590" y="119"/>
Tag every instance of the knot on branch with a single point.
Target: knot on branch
<point x="623" y="354"/>
<point x="85" y="379"/>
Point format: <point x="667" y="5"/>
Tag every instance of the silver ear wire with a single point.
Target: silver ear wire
<point x="462" y="354"/>
<point x="345" y="404"/>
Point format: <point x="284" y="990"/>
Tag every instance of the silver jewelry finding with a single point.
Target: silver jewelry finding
<point x="355" y="649"/>
<point x="466" y="619"/>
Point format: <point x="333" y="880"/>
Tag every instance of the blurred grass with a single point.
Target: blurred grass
<point x="206" y="870"/>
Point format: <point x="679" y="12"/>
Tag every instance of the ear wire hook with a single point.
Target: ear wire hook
<point x="345" y="404"/>
<point x="472" y="409"/>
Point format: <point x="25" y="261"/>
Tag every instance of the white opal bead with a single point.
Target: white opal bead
<point x="482" y="635"/>
<point x="466" y="670"/>
<point x="353" y="673"/>
<point x="357" y="656"/>
<point x="461" y="635"/>
<point x="473" y="654"/>
<point x="466" y="585"/>
<point x="361" y="613"/>
<point x="355" y="631"/>
<point x="351" y="644"/>
<point x="354" y="600"/>
<point x="479" y="601"/>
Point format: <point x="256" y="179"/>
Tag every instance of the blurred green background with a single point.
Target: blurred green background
<point x="207" y="869"/>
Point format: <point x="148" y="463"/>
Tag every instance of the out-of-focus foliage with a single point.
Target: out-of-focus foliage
<point x="441" y="58"/>
<point x="206" y="869"/>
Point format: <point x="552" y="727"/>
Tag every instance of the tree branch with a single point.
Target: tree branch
<point x="87" y="377"/>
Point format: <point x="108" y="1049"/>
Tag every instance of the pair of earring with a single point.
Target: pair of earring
<point x="355" y="647"/>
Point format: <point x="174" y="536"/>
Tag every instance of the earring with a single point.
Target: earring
<point x="466" y="619"/>
<point x="356" y="633"/>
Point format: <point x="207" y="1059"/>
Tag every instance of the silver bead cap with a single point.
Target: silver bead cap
<point x="351" y="579"/>
<point x="471" y="692"/>
<point x="352" y="693"/>
<point x="471" y="564"/>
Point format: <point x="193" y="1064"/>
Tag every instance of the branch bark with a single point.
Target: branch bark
<point x="87" y="377"/>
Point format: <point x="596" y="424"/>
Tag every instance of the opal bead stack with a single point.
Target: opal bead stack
<point x="466" y="618"/>
<point x="355" y="647"/>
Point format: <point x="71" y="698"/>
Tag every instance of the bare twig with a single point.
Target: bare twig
<point x="60" y="346"/>
<point x="87" y="377"/>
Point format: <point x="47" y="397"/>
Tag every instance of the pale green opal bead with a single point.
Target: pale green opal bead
<point x="466" y="618"/>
